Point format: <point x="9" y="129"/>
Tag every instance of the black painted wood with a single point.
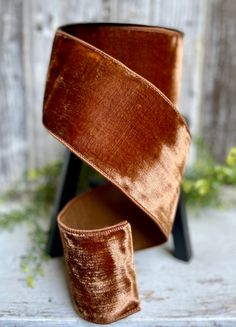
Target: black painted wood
<point x="180" y="232"/>
<point x="66" y="191"/>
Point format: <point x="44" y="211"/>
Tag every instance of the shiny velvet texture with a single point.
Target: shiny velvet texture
<point x="110" y="98"/>
<point x="101" y="272"/>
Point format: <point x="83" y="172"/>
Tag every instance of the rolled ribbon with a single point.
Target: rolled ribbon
<point x="111" y="97"/>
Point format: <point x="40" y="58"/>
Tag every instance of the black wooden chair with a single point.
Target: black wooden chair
<point x="67" y="190"/>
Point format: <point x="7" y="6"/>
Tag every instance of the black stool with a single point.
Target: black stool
<point x="67" y="190"/>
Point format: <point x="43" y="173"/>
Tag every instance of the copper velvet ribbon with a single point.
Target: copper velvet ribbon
<point x="111" y="97"/>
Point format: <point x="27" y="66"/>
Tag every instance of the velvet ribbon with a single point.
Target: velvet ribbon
<point x="111" y="97"/>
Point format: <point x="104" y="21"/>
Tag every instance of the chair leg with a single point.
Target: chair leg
<point x="66" y="191"/>
<point x="181" y="236"/>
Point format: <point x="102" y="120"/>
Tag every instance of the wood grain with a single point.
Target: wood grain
<point x="219" y="105"/>
<point x="201" y="293"/>
<point x="27" y="28"/>
<point x="13" y="131"/>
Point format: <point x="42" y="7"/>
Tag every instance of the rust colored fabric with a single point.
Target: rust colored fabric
<point x="111" y="97"/>
<point x="101" y="272"/>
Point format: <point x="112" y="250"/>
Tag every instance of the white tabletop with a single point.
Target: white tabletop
<point x="173" y="293"/>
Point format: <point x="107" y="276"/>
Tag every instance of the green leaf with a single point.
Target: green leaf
<point x="30" y="281"/>
<point x="231" y="158"/>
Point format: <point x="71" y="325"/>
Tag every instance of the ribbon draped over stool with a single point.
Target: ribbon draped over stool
<point x="111" y="97"/>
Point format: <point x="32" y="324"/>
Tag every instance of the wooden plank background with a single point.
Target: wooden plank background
<point x="27" y="28"/>
<point x="218" y="103"/>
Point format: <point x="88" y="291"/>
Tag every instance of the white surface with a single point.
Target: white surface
<point x="173" y="293"/>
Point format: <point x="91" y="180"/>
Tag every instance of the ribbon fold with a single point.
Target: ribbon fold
<point x="111" y="97"/>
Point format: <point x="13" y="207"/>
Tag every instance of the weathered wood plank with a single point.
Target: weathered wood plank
<point x="13" y="133"/>
<point x="42" y="19"/>
<point x="219" y="105"/>
<point x="189" y="17"/>
<point x="200" y="293"/>
<point x="134" y="11"/>
<point x="26" y="32"/>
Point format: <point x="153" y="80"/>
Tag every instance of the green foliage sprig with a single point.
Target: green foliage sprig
<point x="35" y="211"/>
<point x="205" y="179"/>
